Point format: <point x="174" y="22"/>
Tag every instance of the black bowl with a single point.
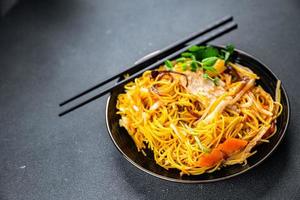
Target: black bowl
<point x="126" y="146"/>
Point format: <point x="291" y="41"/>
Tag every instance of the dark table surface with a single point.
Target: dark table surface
<point x="50" y="50"/>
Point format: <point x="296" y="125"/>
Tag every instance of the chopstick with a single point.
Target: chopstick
<point x="156" y="56"/>
<point x="227" y="28"/>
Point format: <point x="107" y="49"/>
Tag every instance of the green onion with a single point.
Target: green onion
<point x="192" y="132"/>
<point x="202" y="147"/>
<point x="184" y="66"/>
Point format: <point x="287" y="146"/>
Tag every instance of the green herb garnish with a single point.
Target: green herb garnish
<point x="202" y="52"/>
<point x="180" y="59"/>
<point x="194" y="66"/>
<point x="169" y="64"/>
<point x="196" y="48"/>
<point x="215" y="80"/>
<point x="209" y="61"/>
<point x="209" y="68"/>
<point x="205" y="56"/>
<point x="229" y="49"/>
<point x="210" y="52"/>
<point x="188" y="55"/>
<point x="207" y="76"/>
<point x="202" y="147"/>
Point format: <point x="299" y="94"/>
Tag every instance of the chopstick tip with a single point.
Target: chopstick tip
<point x="63" y="103"/>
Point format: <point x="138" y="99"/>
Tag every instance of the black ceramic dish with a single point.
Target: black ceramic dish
<point x="126" y="146"/>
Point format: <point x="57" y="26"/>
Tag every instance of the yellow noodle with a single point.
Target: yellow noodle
<point x="181" y="126"/>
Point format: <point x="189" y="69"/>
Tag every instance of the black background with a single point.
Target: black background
<point x="50" y="50"/>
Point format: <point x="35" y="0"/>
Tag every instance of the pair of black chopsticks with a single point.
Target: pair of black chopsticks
<point x="152" y="61"/>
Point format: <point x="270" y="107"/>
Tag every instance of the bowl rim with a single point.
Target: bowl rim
<point x="283" y="93"/>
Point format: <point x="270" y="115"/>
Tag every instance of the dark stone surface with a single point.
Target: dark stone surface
<point x="50" y="50"/>
<point x="6" y="5"/>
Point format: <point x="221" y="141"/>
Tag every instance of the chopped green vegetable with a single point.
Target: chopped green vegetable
<point x="229" y="49"/>
<point x="215" y="80"/>
<point x="202" y="147"/>
<point x="210" y="52"/>
<point x="202" y="52"/>
<point x="180" y="59"/>
<point x="209" y="68"/>
<point x="209" y="61"/>
<point x="169" y="64"/>
<point x="206" y="56"/>
<point x="184" y="66"/>
<point x="226" y="55"/>
<point x="194" y="66"/>
<point x="196" y="48"/>
<point x="206" y="76"/>
<point x="197" y="51"/>
<point x="192" y="132"/>
<point x="188" y="55"/>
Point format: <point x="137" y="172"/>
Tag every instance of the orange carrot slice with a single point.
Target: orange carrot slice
<point x="222" y="151"/>
<point x="211" y="159"/>
<point x="232" y="145"/>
